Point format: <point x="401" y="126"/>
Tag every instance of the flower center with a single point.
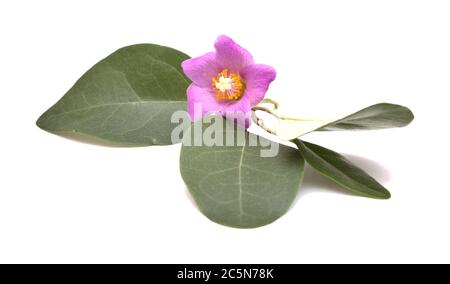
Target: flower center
<point x="228" y="86"/>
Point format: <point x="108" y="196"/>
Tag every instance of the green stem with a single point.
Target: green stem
<point x="272" y="111"/>
<point x="283" y="117"/>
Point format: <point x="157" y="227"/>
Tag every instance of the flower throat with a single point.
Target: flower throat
<point x="228" y="87"/>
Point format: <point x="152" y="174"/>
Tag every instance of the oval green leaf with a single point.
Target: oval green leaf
<point x="379" y="116"/>
<point x="127" y="99"/>
<point x="235" y="186"/>
<point x="337" y="168"/>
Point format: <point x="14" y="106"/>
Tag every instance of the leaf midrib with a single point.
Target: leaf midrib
<point x="241" y="161"/>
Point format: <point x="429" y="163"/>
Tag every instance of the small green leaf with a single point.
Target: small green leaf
<point x="379" y="116"/>
<point x="340" y="170"/>
<point x="125" y="99"/>
<point x="235" y="186"/>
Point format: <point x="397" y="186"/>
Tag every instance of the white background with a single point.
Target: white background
<point x="68" y="202"/>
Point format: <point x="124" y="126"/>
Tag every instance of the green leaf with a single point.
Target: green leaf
<point x="235" y="186"/>
<point x="125" y="99"/>
<point x="379" y="116"/>
<point x="337" y="168"/>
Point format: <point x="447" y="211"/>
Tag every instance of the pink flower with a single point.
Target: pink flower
<point x="226" y="81"/>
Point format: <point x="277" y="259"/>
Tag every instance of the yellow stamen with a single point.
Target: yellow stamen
<point x="228" y="86"/>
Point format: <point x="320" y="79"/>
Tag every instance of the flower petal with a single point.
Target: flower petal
<point x="201" y="69"/>
<point x="201" y="101"/>
<point x="242" y="105"/>
<point x="239" y="111"/>
<point x="257" y="78"/>
<point x="230" y="55"/>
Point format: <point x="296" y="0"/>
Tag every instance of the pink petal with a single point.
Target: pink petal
<point x="201" y="69"/>
<point x="257" y="78"/>
<point x="240" y="111"/>
<point x="242" y="105"/>
<point x="230" y="55"/>
<point x="201" y="101"/>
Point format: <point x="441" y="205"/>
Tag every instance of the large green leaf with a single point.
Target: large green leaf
<point x="125" y="99"/>
<point x="235" y="186"/>
<point x="379" y="116"/>
<point x="339" y="169"/>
